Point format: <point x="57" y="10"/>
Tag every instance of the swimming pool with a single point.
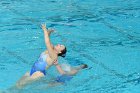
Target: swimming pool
<point x="103" y="34"/>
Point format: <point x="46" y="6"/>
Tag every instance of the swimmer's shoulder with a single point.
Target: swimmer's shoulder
<point x="45" y="52"/>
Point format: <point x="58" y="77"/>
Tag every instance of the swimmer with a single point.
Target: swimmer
<point x="47" y="58"/>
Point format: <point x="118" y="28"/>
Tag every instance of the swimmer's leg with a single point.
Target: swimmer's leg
<point x="27" y="79"/>
<point x="23" y="80"/>
<point x="75" y="70"/>
<point x="20" y="83"/>
<point x="49" y="85"/>
<point x="83" y="66"/>
<point x="52" y="84"/>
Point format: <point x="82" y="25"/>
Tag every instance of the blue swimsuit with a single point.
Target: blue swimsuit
<point x="40" y="64"/>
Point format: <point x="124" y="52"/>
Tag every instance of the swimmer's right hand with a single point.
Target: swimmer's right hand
<point x="55" y="63"/>
<point x="50" y="31"/>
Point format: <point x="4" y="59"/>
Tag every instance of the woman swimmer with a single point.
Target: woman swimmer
<point x="46" y="60"/>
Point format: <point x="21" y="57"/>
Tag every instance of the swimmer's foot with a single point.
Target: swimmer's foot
<point x="83" y="66"/>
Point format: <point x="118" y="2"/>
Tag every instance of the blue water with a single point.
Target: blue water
<point x="101" y="33"/>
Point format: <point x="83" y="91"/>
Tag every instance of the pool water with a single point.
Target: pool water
<point x="104" y="34"/>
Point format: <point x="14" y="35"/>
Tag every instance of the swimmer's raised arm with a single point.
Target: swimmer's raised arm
<point x="50" y="48"/>
<point x="49" y="32"/>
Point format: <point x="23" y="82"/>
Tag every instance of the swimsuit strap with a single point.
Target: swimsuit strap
<point x="44" y="56"/>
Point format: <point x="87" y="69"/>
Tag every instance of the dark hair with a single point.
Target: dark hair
<point x="63" y="53"/>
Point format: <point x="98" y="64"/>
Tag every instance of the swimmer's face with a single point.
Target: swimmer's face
<point x="59" y="47"/>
